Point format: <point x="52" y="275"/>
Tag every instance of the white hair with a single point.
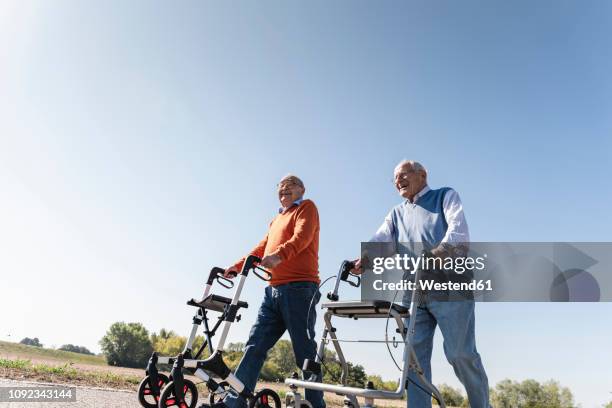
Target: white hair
<point x="416" y="166"/>
<point x="293" y="178"/>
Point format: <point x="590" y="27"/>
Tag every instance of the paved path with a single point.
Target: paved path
<point x="86" y="397"/>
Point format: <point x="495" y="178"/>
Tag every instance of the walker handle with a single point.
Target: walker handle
<point x="217" y="274"/>
<point x="225" y="282"/>
<point x="268" y="274"/>
<point x="214" y="272"/>
<point x="347" y="267"/>
<point x="343" y="275"/>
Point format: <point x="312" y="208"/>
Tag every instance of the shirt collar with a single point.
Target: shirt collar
<point x="418" y="195"/>
<point x="296" y="202"/>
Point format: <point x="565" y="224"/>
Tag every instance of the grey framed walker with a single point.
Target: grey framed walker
<point x="181" y="392"/>
<point x="151" y="386"/>
<point x="368" y="309"/>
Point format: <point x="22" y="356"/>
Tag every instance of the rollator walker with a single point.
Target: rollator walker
<point x="357" y="309"/>
<point x="157" y="390"/>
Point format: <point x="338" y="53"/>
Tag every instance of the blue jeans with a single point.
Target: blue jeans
<point x="284" y="307"/>
<point x="456" y="321"/>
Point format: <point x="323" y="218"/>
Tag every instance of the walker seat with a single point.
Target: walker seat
<point x="215" y="303"/>
<point x="364" y="308"/>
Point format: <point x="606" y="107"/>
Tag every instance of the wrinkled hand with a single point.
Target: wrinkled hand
<point x="357" y="268"/>
<point x="231" y="272"/>
<point x="270" y="261"/>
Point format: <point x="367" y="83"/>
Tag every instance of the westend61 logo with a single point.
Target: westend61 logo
<point x="410" y="263"/>
<point x="490" y="271"/>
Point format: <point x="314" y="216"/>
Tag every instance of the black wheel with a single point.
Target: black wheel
<point x="146" y="396"/>
<point x="168" y="399"/>
<point x="265" y="398"/>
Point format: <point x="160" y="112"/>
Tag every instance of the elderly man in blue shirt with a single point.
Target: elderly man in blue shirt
<point x="435" y="219"/>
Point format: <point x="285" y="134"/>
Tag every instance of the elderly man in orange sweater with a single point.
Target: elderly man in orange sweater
<point x="290" y="250"/>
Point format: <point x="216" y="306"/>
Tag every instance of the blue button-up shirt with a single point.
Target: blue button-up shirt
<point x="296" y="202"/>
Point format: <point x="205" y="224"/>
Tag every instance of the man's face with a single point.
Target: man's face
<point x="409" y="181"/>
<point x="289" y="190"/>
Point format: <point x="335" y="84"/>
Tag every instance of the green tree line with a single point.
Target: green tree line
<point x="66" y="347"/>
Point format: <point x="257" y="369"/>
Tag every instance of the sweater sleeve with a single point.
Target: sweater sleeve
<point x="306" y="226"/>
<point x="257" y="251"/>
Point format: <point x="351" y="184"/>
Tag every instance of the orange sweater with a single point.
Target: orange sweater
<point x="294" y="237"/>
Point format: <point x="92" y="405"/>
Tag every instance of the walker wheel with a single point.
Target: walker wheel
<point x="168" y="399"/>
<point x="265" y="398"/>
<point x="215" y="397"/>
<point x="290" y="401"/>
<point x="146" y="396"/>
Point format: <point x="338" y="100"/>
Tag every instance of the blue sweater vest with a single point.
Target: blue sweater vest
<point x="422" y="223"/>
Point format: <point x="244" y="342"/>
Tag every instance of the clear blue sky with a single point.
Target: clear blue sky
<point x="140" y="145"/>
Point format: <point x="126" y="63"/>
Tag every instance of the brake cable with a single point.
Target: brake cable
<point x="321" y="358"/>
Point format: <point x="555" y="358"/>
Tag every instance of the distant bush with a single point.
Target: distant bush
<point x="75" y="349"/>
<point x="168" y="343"/>
<point x="452" y="396"/>
<point x="380" y="384"/>
<point x="31" y="342"/>
<point x="512" y="394"/>
<point x="170" y="346"/>
<point x="280" y="363"/>
<point x="163" y="335"/>
<point x="531" y="394"/>
<point x="127" y="345"/>
<point x="332" y="371"/>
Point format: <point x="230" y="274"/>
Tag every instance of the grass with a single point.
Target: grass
<point x="31" y="352"/>
<point x="19" y="364"/>
<point x="24" y="369"/>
